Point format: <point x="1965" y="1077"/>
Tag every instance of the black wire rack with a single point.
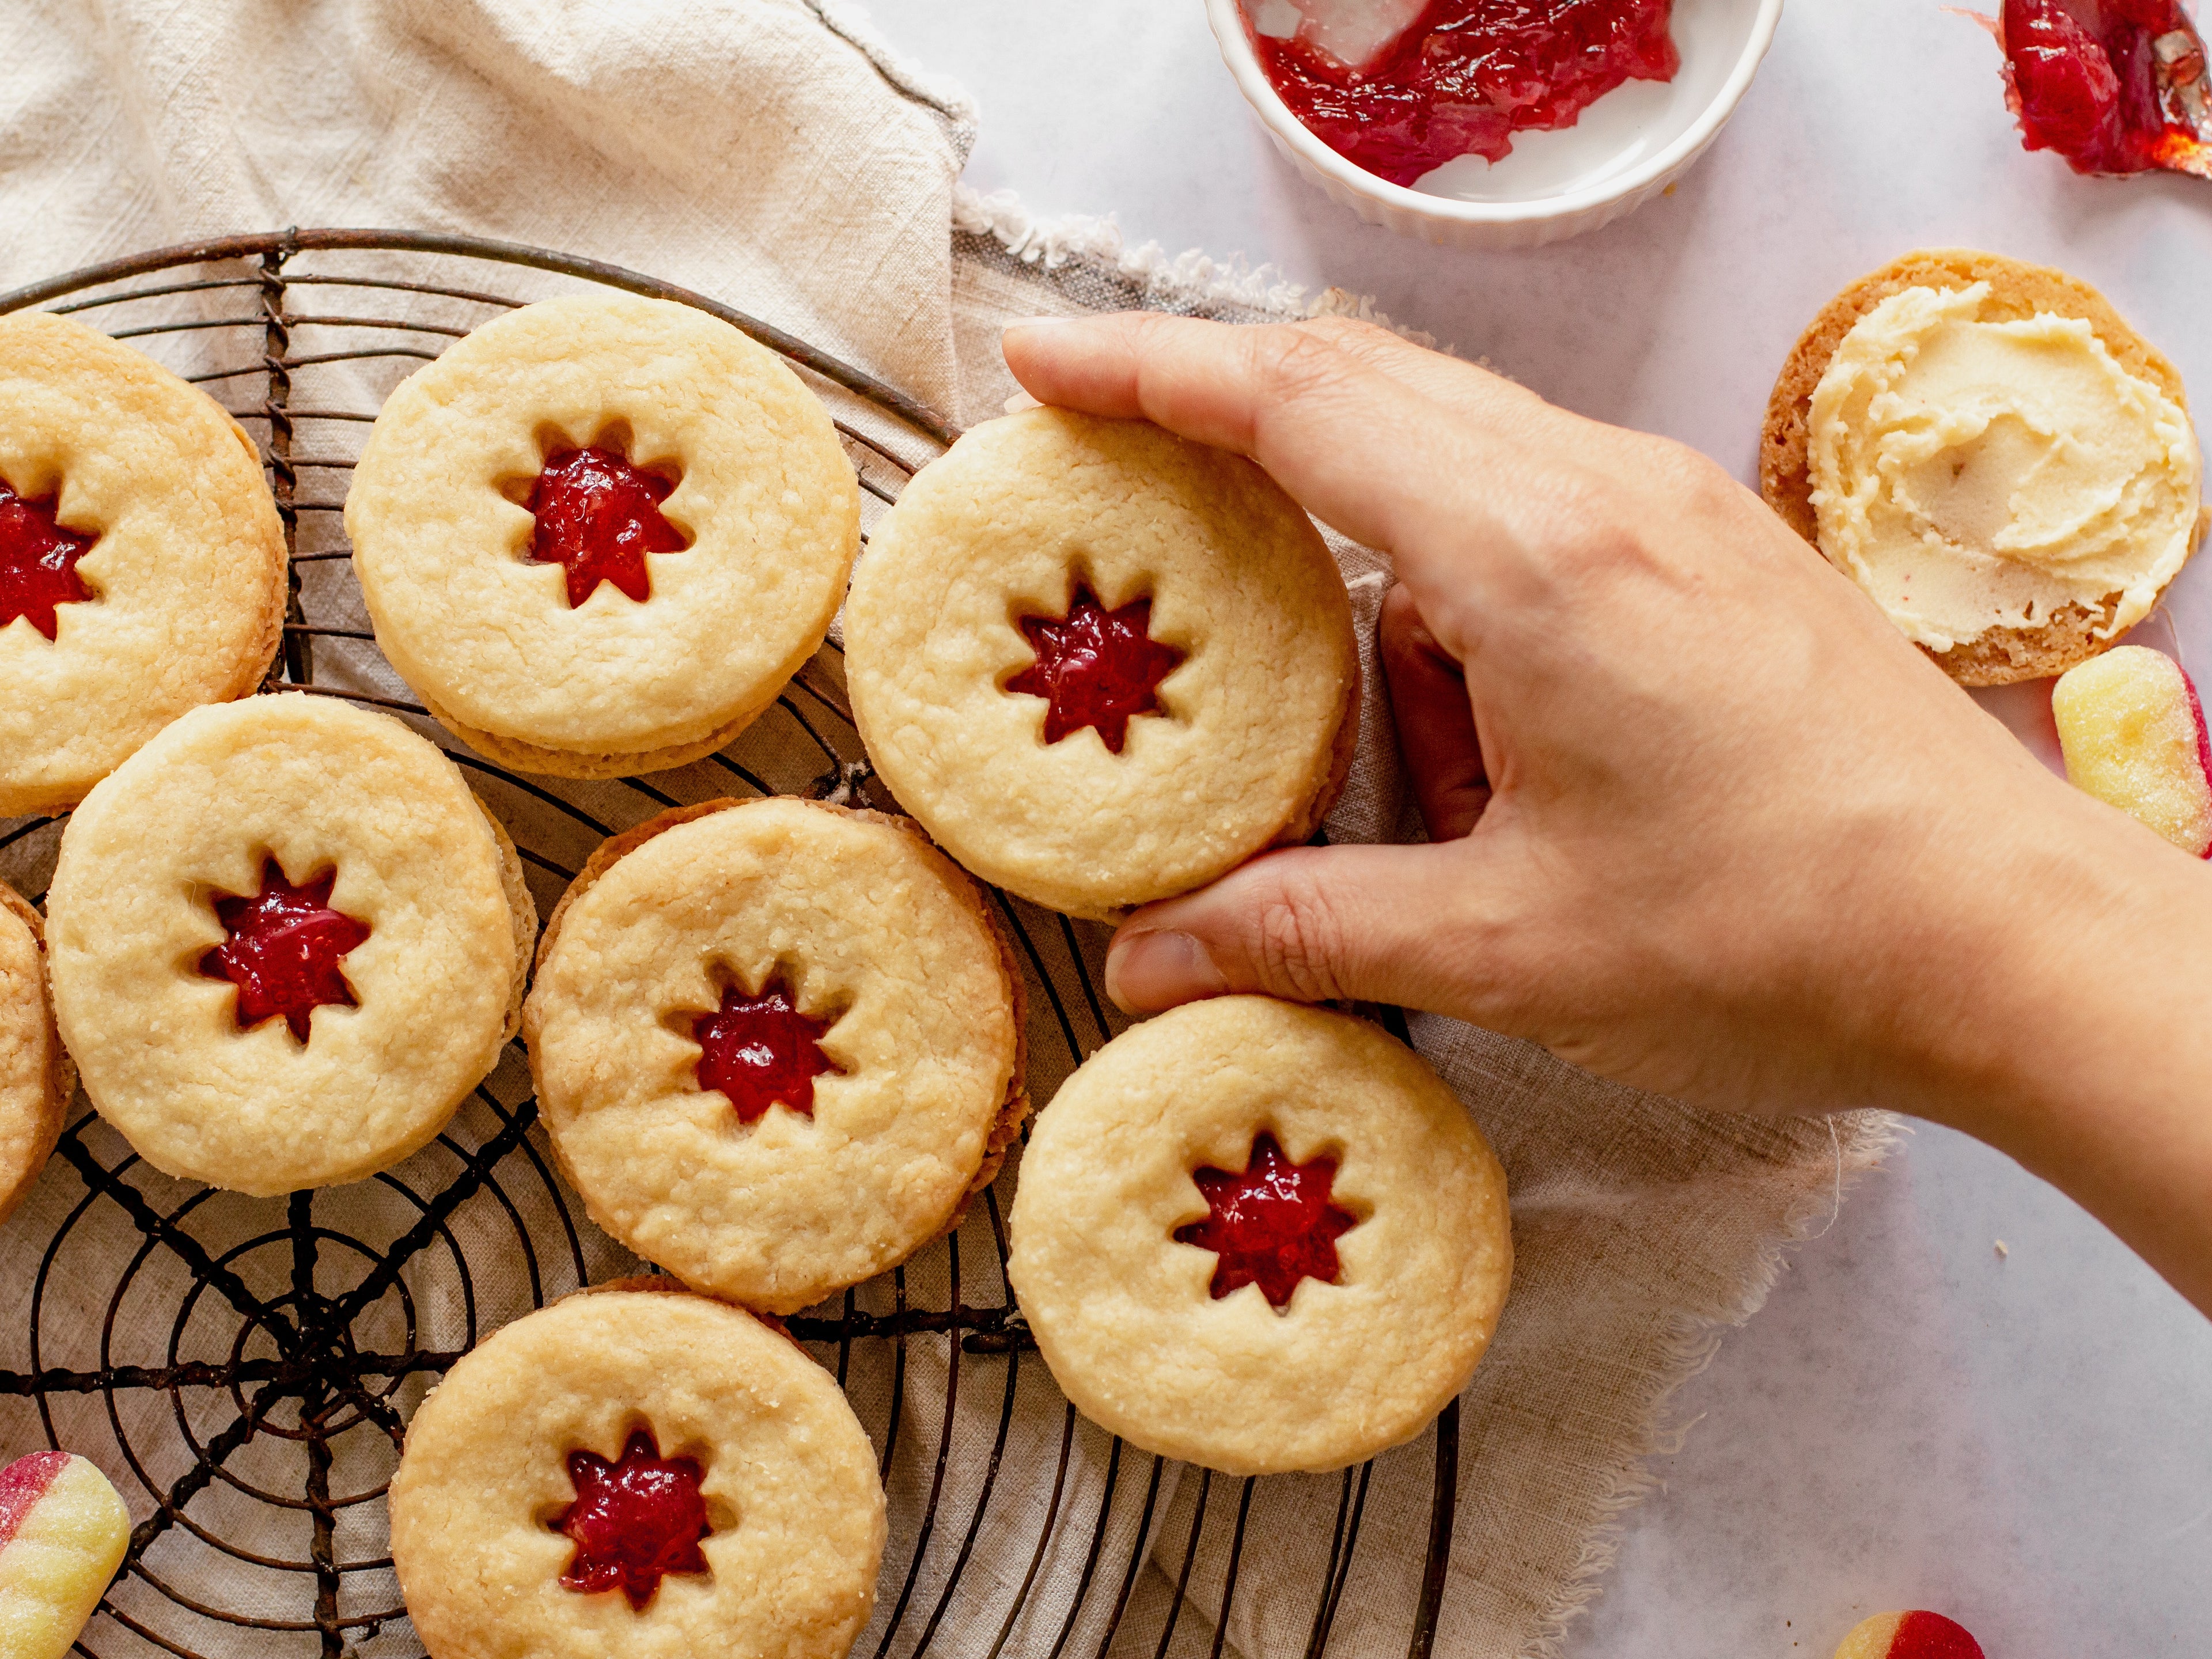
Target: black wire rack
<point x="316" y="1333"/>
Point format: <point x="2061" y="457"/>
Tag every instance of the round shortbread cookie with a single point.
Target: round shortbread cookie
<point x="190" y="884"/>
<point x="179" y="599"/>
<point x="2000" y="655"/>
<point x="719" y="960"/>
<point x="609" y="684"/>
<point x="996" y="545"/>
<point x="36" y="1077"/>
<point x="520" y="1438"/>
<point x="1399" y="1247"/>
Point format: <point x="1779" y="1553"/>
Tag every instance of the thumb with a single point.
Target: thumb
<point x="1320" y="924"/>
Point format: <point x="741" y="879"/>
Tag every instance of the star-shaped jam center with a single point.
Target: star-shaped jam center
<point x="760" y="1050"/>
<point x="1096" y="667"/>
<point x="38" y="561"/>
<point x="1272" y="1222"/>
<point x="599" y="516"/>
<point x="283" y="949"/>
<point x="633" y="1522"/>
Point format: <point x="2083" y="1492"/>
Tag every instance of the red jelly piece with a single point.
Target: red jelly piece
<point x="1469" y="73"/>
<point x="1931" y="1635"/>
<point x="634" y="1522"/>
<point x="1096" y="667"/>
<point x="38" y="561"/>
<point x="284" y="949"/>
<point x="1272" y="1224"/>
<point x="759" y="1051"/>
<point x="601" y="516"/>
<point x="2114" y="86"/>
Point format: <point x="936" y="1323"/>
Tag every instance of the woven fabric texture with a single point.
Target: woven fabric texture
<point x="768" y="153"/>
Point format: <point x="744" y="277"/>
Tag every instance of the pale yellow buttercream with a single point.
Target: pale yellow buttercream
<point x="1974" y="475"/>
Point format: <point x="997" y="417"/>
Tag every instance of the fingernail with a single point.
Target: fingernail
<point x="1159" y="970"/>
<point x="1020" y="401"/>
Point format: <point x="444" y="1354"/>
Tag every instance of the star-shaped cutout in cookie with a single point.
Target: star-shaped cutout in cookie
<point x="1096" y="667"/>
<point x="635" y="1521"/>
<point x="759" y="1050"/>
<point x="599" y="516"/>
<point x="1272" y="1224"/>
<point x="283" y="950"/>
<point x="38" y="563"/>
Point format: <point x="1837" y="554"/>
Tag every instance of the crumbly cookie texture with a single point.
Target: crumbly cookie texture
<point x="36" y="1075"/>
<point x="1123" y="1313"/>
<point x="615" y="684"/>
<point x="868" y="927"/>
<point x="1259" y="717"/>
<point x="2074" y="632"/>
<point x="789" y="1479"/>
<point x="318" y="786"/>
<point x="187" y="574"/>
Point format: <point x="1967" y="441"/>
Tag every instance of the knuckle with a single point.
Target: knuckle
<point x="1300" y="941"/>
<point x="1291" y="362"/>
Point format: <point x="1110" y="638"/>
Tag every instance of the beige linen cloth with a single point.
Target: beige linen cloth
<point x="771" y="154"/>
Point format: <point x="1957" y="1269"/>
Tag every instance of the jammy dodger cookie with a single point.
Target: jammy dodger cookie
<point x="1993" y="454"/>
<point x="36" y="1077"/>
<point x="142" y="564"/>
<point x="599" y="535"/>
<point x="286" y="942"/>
<point x="637" y="1471"/>
<point x="1102" y="665"/>
<point x="1260" y="1237"/>
<point x="777" y="1045"/>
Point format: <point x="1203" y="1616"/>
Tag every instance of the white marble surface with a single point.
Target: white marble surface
<point x="2024" y="1440"/>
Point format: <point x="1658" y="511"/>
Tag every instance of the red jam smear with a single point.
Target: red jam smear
<point x="599" y="516"/>
<point x="1467" y="75"/>
<point x="633" y="1522"/>
<point x="1931" y="1635"/>
<point x="1096" y="667"/>
<point x="38" y="561"/>
<point x="284" y="947"/>
<point x="1272" y="1224"/>
<point x="759" y="1051"/>
<point x="23" y="1483"/>
<point x="2114" y="86"/>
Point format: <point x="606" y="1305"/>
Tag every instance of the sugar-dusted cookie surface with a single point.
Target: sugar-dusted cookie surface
<point x="631" y="610"/>
<point x="641" y="1472"/>
<point x="36" y="1075"/>
<point x="1260" y="1237"/>
<point x="777" y="1044"/>
<point x="286" y="941"/>
<point x="1100" y="663"/>
<point x="142" y="564"/>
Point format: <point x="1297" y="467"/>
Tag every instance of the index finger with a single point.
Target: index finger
<point x="1356" y="447"/>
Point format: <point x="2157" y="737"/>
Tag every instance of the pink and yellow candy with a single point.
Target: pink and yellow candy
<point x="63" y="1532"/>
<point x="2134" y="736"/>
<point x="1909" y="1636"/>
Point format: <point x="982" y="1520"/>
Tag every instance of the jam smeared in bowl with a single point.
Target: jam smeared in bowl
<point x="599" y="516"/>
<point x="759" y="1051"/>
<point x="2114" y="86"/>
<point x="38" y="561"/>
<point x="1096" y="667"/>
<point x="633" y="1522"/>
<point x="284" y="949"/>
<point x="1462" y="78"/>
<point x="1272" y="1224"/>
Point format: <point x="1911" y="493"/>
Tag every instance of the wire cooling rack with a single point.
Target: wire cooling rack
<point x="318" y="1332"/>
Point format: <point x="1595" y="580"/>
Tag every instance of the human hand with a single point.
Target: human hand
<point x="1704" y="820"/>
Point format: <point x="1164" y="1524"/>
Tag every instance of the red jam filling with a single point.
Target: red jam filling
<point x="1931" y="1635"/>
<point x="1272" y="1224"/>
<point x="759" y="1051"/>
<point x="1467" y="75"/>
<point x="38" y="561"/>
<point x="1096" y="667"/>
<point x="2114" y="86"/>
<point x="283" y="950"/>
<point x="599" y="516"/>
<point x="22" y="1483"/>
<point x="634" y="1522"/>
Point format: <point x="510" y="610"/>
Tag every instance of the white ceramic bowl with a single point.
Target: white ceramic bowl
<point x="1628" y="146"/>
